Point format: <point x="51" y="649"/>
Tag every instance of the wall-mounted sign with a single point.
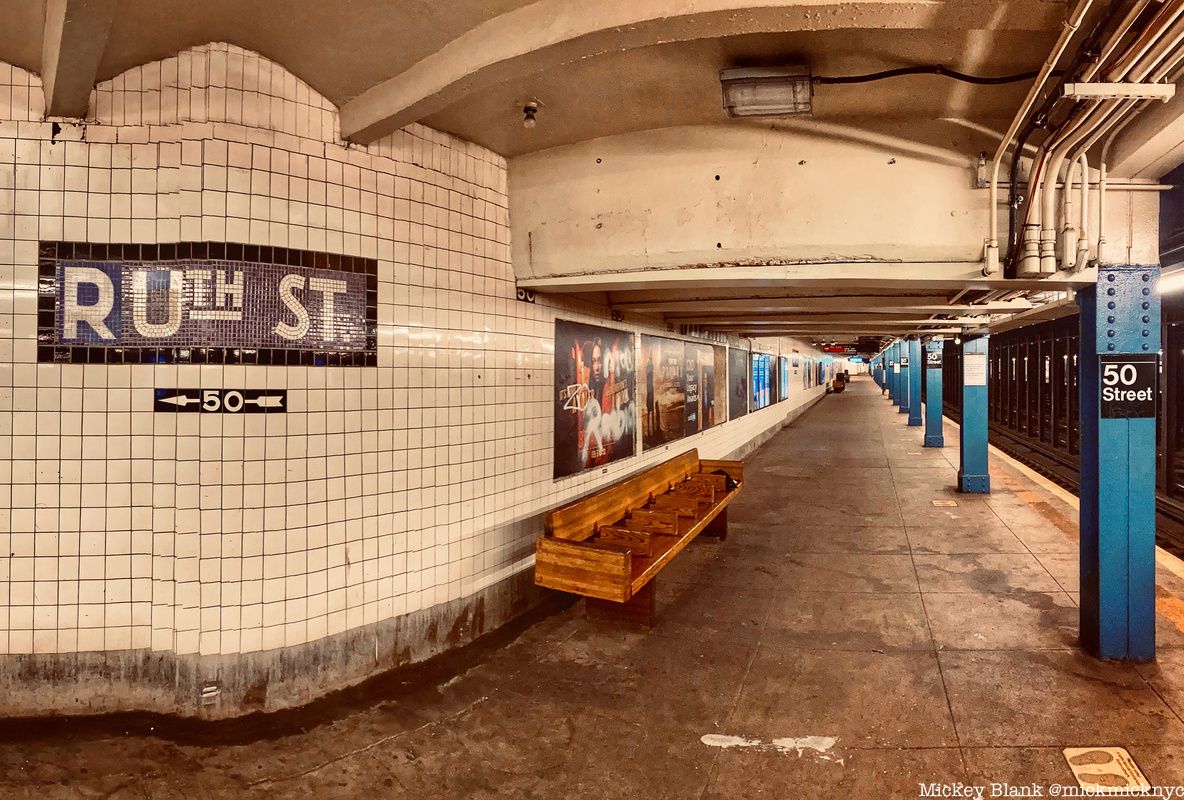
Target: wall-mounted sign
<point x="221" y="401"/>
<point x="1128" y="385"/>
<point x="201" y="302"/>
<point x="974" y="369"/>
<point x="933" y="359"/>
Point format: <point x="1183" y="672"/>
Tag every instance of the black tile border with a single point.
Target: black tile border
<point x="50" y="352"/>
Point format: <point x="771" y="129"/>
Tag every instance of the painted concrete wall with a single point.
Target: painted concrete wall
<point x="389" y="515"/>
<point x="748" y="194"/>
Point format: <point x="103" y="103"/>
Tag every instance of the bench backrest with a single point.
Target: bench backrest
<point x="578" y="521"/>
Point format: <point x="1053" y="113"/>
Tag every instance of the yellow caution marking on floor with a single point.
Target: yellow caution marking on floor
<point x="1170" y="606"/>
<point x="1101" y="770"/>
<point x="944" y="503"/>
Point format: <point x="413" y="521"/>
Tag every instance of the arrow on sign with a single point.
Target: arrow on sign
<point x="267" y="401"/>
<point x="179" y="400"/>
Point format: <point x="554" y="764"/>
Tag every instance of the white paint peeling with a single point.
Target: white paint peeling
<point x="819" y="744"/>
<point x="726" y="742"/>
<point x="796" y="744"/>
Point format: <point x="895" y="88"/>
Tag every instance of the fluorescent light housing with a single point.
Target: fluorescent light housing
<point x="767" y="91"/>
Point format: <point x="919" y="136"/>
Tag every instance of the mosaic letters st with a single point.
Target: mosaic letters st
<point x="205" y="303"/>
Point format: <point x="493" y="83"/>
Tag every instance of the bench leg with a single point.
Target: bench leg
<point x="718" y="527"/>
<point x="639" y="610"/>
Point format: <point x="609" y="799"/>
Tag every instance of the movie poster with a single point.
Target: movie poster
<point x="706" y="393"/>
<point x="738" y="382"/>
<point x="720" y="404"/>
<point x="595" y="382"/>
<point x="660" y="389"/>
<point x="783" y="377"/>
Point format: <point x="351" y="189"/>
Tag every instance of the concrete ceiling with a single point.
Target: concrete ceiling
<point x="678" y="84"/>
<point x="599" y="68"/>
<point x="340" y="48"/>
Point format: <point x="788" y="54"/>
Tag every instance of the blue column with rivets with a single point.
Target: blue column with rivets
<point x="916" y="368"/>
<point x="1117" y="375"/>
<point x="893" y="368"/>
<point x="902" y="395"/>
<point x="973" y="474"/>
<point x="933" y="393"/>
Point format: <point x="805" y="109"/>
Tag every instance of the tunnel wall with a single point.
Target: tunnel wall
<point x="212" y="564"/>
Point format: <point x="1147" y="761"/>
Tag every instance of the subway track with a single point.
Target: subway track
<point x="1169" y="521"/>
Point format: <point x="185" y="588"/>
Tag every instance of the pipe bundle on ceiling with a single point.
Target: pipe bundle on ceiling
<point x="1144" y="44"/>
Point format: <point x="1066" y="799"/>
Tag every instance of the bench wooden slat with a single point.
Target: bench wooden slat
<point x="683" y="506"/>
<point x="735" y="469"/>
<point x="579" y="520"/>
<point x="665" y="522"/>
<point x="641" y="543"/>
<point x="718" y="482"/>
<point x="601" y="571"/>
<point x="644" y="569"/>
<point x="695" y="488"/>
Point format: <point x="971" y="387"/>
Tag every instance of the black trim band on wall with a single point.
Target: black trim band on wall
<point x="50" y="351"/>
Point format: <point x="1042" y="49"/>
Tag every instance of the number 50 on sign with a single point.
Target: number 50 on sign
<point x="222" y="401"/>
<point x="1128" y="385"/>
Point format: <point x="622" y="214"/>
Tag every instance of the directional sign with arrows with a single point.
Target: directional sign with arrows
<point x="222" y="401"/>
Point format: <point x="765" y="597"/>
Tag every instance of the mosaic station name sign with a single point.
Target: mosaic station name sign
<point x="205" y="303"/>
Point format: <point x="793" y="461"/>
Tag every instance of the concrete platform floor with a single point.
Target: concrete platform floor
<point x="931" y="644"/>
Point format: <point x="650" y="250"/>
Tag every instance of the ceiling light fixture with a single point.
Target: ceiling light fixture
<point x="528" y="113"/>
<point x="767" y="91"/>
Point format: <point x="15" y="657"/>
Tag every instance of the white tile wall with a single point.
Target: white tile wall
<point x="383" y="490"/>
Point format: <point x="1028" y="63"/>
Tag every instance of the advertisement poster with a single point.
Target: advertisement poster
<point x="704" y="386"/>
<point x="721" y="385"/>
<point x="761" y="363"/>
<point x="783" y="378"/>
<point x="595" y="385"/>
<point x="660" y="389"/>
<point x="738" y="382"/>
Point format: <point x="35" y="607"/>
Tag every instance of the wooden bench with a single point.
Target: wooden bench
<point x="609" y="546"/>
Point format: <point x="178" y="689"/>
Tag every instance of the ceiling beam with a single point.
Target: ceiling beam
<point x="824" y="319"/>
<point x="887" y="304"/>
<point x="835" y="276"/>
<point x="549" y="33"/>
<point x="73" y="44"/>
<point x="1153" y="144"/>
<point x="829" y="335"/>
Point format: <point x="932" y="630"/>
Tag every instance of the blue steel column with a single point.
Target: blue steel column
<point x="897" y="386"/>
<point x="973" y="474"/>
<point x="890" y="355"/>
<point x="1121" y="315"/>
<point x="902" y="396"/>
<point x="916" y="367"/>
<point x="933" y="390"/>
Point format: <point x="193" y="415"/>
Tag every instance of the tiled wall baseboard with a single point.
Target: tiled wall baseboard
<point x="34" y="685"/>
<point x="88" y="683"/>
